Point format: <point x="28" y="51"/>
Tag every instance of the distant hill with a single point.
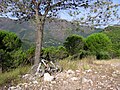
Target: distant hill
<point x="55" y="30"/>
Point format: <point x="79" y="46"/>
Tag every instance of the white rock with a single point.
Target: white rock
<point x="84" y="80"/>
<point x="74" y="78"/>
<point x="70" y="72"/>
<point x="35" y="82"/>
<point x="77" y="71"/>
<point x="89" y="70"/>
<point x="47" y="77"/>
<point x="53" y="82"/>
<point x="26" y="75"/>
<point x="12" y="88"/>
<point x="95" y="72"/>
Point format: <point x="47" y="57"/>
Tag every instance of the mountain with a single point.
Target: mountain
<point x="55" y="30"/>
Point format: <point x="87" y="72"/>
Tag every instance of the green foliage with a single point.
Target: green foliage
<point x="81" y="54"/>
<point x="61" y="52"/>
<point x="74" y="44"/>
<point x="9" y="41"/>
<point x="98" y="42"/>
<point x="55" y="52"/>
<point x="18" y="57"/>
<point x="103" y="55"/>
<point x="9" y="44"/>
<point x="51" y="50"/>
<point x="113" y="32"/>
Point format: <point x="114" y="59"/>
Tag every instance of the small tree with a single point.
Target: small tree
<point x="74" y="44"/>
<point x="9" y="42"/>
<point x="98" y="42"/>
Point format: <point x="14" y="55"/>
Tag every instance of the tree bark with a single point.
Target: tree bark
<point x="39" y="36"/>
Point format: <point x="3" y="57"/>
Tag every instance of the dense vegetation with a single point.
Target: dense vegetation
<point x="103" y="45"/>
<point x="113" y="32"/>
<point x="99" y="44"/>
<point x="12" y="54"/>
<point x="74" y="44"/>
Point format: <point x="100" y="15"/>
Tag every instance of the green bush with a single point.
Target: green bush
<point x="98" y="42"/>
<point x="55" y="52"/>
<point x="30" y="53"/>
<point x="103" y="55"/>
<point x="49" y="50"/>
<point x="81" y="54"/>
<point x="113" y="32"/>
<point x="74" y="44"/>
<point x="9" y="42"/>
<point x="61" y="52"/>
<point x="19" y="58"/>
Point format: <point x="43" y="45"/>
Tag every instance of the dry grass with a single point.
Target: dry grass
<point x="13" y="76"/>
<point x="85" y="64"/>
<point x="112" y="61"/>
<point x="76" y="64"/>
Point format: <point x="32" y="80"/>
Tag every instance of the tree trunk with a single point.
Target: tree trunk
<point x="39" y="37"/>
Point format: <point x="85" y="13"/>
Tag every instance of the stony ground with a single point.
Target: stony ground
<point x="100" y="75"/>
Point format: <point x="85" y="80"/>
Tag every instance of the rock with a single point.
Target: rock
<point x="35" y="82"/>
<point x="47" y="77"/>
<point x="12" y="88"/>
<point x="70" y="72"/>
<point x="53" y="82"/>
<point x="84" y="80"/>
<point x="89" y="70"/>
<point x="74" y="78"/>
<point x="77" y="71"/>
<point x="26" y="75"/>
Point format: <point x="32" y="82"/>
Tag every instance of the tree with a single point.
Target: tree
<point x="9" y="42"/>
<point x="40" y="9"/>
<point x="73" y="44"/>
<point x="113" y="32"/>
<point x="98" y="42"/>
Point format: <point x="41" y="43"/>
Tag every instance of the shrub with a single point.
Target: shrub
<point x="55" y="52"/>
<point x="30" y="53"/>
<point x="61" y="52"/>
<point x="81" y="54"/>
<point x="103" y="55"/>
<point x="74" y="44"/>
<point x="49" y="50"/>
<point x="19" y="58"/>
<point x="9" y="42"/>
<point x="98" y="42"/>
<point x="113" y="32"/>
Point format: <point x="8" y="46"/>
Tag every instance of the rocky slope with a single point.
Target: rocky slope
<point x="102" y="75"/>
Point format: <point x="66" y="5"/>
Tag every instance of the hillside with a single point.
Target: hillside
<point x="54" y="34"/>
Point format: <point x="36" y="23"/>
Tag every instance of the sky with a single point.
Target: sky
<point x="65" y="15"/>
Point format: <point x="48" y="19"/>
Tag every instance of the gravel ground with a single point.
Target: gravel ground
<point x="100" y="76"/>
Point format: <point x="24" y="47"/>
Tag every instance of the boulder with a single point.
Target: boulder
<point x="48" y="77"/>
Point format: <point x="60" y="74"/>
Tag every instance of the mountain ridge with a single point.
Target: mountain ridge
<point x="55" y="30"/>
